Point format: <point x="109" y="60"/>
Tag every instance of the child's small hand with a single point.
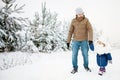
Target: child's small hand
<point x="110" y="61"/>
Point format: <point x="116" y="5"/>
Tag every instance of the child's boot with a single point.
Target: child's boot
<point x="100" y="71"/>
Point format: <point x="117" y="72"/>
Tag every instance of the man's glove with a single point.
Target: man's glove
<point x="91" y="45"/>
<point x="68" y="45"/>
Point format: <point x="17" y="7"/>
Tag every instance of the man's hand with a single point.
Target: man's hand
<point x="68" y="45"/>
<point x="91" y="45"/>
<point x="90" y="42"/>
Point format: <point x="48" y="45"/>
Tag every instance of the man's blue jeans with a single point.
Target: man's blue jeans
<point x="76" y="45"/>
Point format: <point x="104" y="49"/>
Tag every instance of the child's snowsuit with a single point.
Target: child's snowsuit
<point x="102" y="59"/>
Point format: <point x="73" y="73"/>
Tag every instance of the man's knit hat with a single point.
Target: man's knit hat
<point x="79" y="11"/>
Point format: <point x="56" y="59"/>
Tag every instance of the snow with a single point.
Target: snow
<point x="57" y="66"/>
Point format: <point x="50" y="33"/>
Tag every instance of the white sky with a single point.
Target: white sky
<point x="103" y="14"/>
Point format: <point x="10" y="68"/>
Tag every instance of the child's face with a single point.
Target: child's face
<point x="100" y="43"/>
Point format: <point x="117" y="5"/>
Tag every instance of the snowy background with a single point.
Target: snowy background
<point x="37" y="39"/>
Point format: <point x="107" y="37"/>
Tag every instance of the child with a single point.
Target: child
<point x="103" y="55"/>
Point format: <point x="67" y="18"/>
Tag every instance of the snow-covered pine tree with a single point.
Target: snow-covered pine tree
<point x="34" y="29"/>
<point x="64" y="32"/>
<point x="30" y="36"/>
<point x="9" y="25"/>
<point x="47" y="32"/>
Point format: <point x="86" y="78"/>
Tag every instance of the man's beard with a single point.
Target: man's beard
<point x="80" y="18"/>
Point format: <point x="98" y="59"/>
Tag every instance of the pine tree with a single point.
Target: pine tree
<point x="47" y="33"/>
<point x="9" y="25"/>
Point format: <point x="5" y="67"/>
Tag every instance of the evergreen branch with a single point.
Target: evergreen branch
<point x="8" y="1"/>
<point x="9" y="6"/>
<point x="18" y="10"/>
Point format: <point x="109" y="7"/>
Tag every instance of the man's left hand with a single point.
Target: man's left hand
<point x="91" y="45"/>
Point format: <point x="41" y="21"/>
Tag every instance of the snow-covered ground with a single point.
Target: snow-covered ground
<point x="54" y="66"/>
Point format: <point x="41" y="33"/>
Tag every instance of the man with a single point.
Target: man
<point x="81" y="32"/>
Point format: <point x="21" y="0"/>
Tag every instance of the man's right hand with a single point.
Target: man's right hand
<point x="68" y="45"/>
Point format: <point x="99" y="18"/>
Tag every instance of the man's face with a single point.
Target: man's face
<point x="80" y="15"/>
